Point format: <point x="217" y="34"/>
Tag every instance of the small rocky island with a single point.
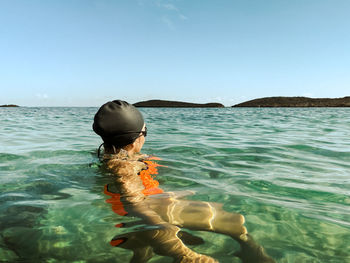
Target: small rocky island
<point x="176" y="104"/>
<point x="8" y="105"/>
<point x="296" y="102"/>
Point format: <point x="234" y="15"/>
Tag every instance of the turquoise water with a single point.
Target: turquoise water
<point x="286" y="170"/>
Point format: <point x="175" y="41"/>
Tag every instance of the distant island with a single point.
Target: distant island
<point x="296" y="102"/>
<point x="9" y="105"/>
<point x="176" y="104"/>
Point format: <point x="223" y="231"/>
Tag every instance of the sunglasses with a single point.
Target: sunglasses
<point x="144" y="133"/>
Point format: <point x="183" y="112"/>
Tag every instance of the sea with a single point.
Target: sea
<point x="286" y="170"/>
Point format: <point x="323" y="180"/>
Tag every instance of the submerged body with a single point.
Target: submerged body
<point x="135" y="193"/>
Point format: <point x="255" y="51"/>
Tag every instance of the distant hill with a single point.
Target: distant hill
<point x="176" y="104"/>
<point x="296" y="102"/>
<point x="9" y="105"/>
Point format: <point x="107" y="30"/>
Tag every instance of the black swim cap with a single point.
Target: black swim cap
<point x="118" y="123"/>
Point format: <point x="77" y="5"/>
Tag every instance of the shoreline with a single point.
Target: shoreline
<point x="9" y="106"/>
<point x="265" y="102"/>
<point x="296" y="102"/>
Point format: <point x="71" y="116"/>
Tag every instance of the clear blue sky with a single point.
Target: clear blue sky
<point x="84" y="52"/>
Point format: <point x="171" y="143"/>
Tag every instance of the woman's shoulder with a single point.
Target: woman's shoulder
<point x="122" y="164"/>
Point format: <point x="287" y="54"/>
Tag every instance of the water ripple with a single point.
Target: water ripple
<point x="286" y="170"/>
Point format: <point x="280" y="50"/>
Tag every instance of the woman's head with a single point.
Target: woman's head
<point x="119" y="124"/>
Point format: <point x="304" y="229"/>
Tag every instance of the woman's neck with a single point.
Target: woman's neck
<point x="110" y="149"/>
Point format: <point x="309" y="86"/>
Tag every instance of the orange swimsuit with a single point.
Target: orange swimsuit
<point x="150" y="184"/>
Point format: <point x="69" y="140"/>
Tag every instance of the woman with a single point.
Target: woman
<point x="134" y="192"/>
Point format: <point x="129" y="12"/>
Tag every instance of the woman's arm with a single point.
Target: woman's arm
<point x="160" y="235"/>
